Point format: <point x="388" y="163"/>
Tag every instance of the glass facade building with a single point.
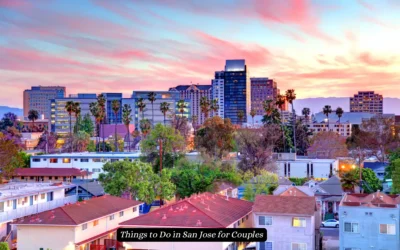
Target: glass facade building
<point x="110" y="115"/>
<point x="38" y="98"/>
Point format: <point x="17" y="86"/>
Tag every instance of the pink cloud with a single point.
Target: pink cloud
<point x="366" y="5"/>
<point x="368" y="59"/>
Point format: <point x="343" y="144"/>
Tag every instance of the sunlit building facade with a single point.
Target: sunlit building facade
<point x="366" y="102"/>
<point x="38" y="98"/>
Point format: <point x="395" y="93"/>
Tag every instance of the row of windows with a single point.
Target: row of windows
<point x="296" y="221"/>
<point x="354" y="227"/>
<point x="268" y="245"/>
<point x="111" y="217"/>
<point x="68" y="160"/>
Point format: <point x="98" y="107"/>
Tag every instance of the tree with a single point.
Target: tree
<point x="195" y="120"/>
<point x="280" y="101"/>
<point x="371" y="183"/>
<point x="141" y="106"/>
<point x="349" y="181"/>
<point x="51" y="142"/>
<point x="205" y="106"/>
<point x="152" y="98"/>
<point x="303" y="136"/>
<point x="272" y="115"/>
<point x="164" y="108"/>
<point x="252" y="114"/>
<point x="115" y="106"/>
<point x="214" y="106"/>
<point x="77" y="111"/>
<point x="306" y="112"/>
<point x="5" y="123"/>
<point x="395" y="176"/>
<point x="181" y="124"/>
<point x="145" y="126"/>
<point x="91" y="147"/>
<point x="70" y="108"/>
<point x="4" y="246"/>
<point x="256" y="148"/>
<point x="101" y="102"/>
<point x="10" y="158"/>
<point x="87" y="125"/>
<point x="81" y="141"/>
<point x="339" y="112"/>
<point x="264" y="183"/>
<point x="138" y="179"/>
<point x="116" y="144"/>
<point x="96" y="112"/>
<point x="328" y="145"/>
<point x="181" y="106"/>
<point x="393" y="155"/>
<point x="215" y="137"/>
<point x="240" y="115"/>
<point x="327" y="110"/>
<point x="26" y="159"/>
<point x="12" y="117"/>
<point x="290" y="97"/>
<point x="126" y="119"/>
<point x="33" y="115"/>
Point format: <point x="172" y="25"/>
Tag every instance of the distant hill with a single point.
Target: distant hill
<point x="390" y="105"/>
<point x="5" y="109"/>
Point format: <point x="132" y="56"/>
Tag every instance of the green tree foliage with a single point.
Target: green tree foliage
<point x="264" y="183"/>
<point x="26" y="159"/>
<point x="396" y="176"/>
<point x="394" y="155"/>
<point x="172" y="141"/>
<point x="138" y="179"/>
<point x="4" y="246"/>
<point x="91" y="147"/>
<point x="298" y="181"/>
<point x="85" y="124"/>
<point x="349" y="181"/>
<point x="81" y="141"/>
<point x="10" y="157"/>
<point x="215" y="137"/>
<point x="368" y="176"/>
<point x="119" y="142"/>
<point x="145" y="126"/>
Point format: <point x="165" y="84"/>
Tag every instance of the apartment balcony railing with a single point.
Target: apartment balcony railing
<point x="35" y="208"/>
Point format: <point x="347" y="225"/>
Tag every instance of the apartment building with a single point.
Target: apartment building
<point x="86" y="225"/>
<point x="111" y="118"/>
<point x="49" y="174"/>
<point x="218" y="92"/>
<point x="38" y="98"/>
<point x="18" y="200"/>
<point x="194" y="93"/>
<point x="366" y="102"/>
<point x="343" y="128"/>
<point x="369" y="221"/>
<point x="292" y="222"/>
<point x="262" y="89"/>
<point x="90" y="162"/>
<point x="205" y="210"/>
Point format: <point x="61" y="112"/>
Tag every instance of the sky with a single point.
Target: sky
<point x="321" y="48"/>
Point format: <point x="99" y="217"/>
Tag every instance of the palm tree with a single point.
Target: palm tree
<point x="141" y="105"/>
<point x="70" y="108"/>
<point x="349" y="181"/>
<point x="279" y="102"/>
<point x="115" y="106"/>
<point x="95" y="111"/>
<point x="126" y="119"/>
<point x="205" y="106"/>
<point x="145" y="126"/>
<point x="77" y="111"/>
<point x="271" y="113"/>
<point x="181" y="107"/>
<point x="306" y="112"/>
<point x="240" y="115"/>
<point x="33" y="115"/>
<point x="327" y="110"/>
<point x="164" y="108"/>
<point x="339" y="113"/>
<point x="253" y="113"/>
<point x="214" y="106"/>
<point x="101" y="101"/>
<point x="152" y="98"/>
<point x="290" y="97"/>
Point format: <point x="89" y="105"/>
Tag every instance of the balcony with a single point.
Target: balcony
<point x="36" y="208"/>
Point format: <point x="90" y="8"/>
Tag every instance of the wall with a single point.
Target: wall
<point x="46" y="237"/>
<point x="369" y="234"/>
<point x="298" y="168"/>
<point x="175" y="245"/>
<point x="282" y="234"/>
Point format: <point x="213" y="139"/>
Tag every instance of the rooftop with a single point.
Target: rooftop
<point x="119" y="155"/>
<point x="332" y="186"/>
<point x="289" y="190"/>
<point x="377" y="199"/>
<point x="15" y="189"/>
<point x="291" y="205"/>
<point x="80" y="212"/>
<point x="50" y="172"/>
<point x="205" y="210"/>
<point x="375" y="165"/>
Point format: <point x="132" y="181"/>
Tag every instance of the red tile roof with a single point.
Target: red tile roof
<point x="80" y="212"/>
<point x="203" y="210"/>
<point x="293" y="191"/>
<point x="49" y="172"/>
<point x="294" y="205"/>
<point x="376" y="199"/>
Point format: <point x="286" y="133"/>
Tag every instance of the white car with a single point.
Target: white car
<point x="330" y="223"/>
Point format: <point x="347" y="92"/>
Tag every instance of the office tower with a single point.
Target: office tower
<point x="262" y="89"/>
<point x="60" y="117"/>
<point x="110" y="115"/>
<point x="237" y="91"/>
<point x="366" y="102"/>
<point x="171" y="97"/>
<point x="194" y="93"/>
<point x="218" y="92"/>
<point x="38" y="98"/>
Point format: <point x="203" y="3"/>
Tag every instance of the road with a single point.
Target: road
<point x="330" y="232"/>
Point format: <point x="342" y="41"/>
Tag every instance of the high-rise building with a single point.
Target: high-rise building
<point x="366" y="102"/>
<point x="237" y="90"/>
<point x="60" y="117"/>
<point x="262" y="89"/>
<point x="171" y="97"/>
<point x="218" y="92"/>
<point x="110" y="115"/>
<point x="194" y="93"/>
<point x="38" y="98"/>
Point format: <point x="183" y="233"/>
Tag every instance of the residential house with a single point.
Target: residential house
<point x="88" y="189"/>
<point x="378" y="168"/>
<point x="369" y="221"/>
<point x="292" y="222"/>
<point x="90" y="224"/>
<point x="226" y="189"/>
<point x="205" y="210"/>
<point x="289" y="190"/>
<point x="22" y="199"/>
<point x="49" y="174"/>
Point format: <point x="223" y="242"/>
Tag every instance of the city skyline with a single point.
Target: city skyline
<point x="319" y="48"/>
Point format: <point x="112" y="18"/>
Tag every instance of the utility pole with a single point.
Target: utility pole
<point x="359" y="164"/>
<point x="161" y="153"/>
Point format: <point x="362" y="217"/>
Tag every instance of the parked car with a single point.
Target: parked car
<point x="330" y="223"/>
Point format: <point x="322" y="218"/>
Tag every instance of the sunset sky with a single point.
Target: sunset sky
<point x="320" y="48"/>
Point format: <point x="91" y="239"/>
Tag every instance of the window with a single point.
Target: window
<point x="266" y="245"/>
<point x="134" y="209"/>
<point x="96" y="160"/>
<point x="56" y="178"/>
<point x="121" y="213"/>
<point x="66" y="160"/>
<point x="53" y="160"/>
<point x="42" y="196"/>
<point x="299" y="246"/>
<point x="114" y="160"/>
<point x="351" y="227"/>
<point x="95" y="223"/>
<point x="247" y="217"/>
<point x="84" y="160"/>
<point x="31" y="177"/>
<point x="351" y="248"/>
<point x="1" y="206"/>
<point x="264" y="220"/>
<point x="50" y="177"/>
<point x="96" y="170"/>
<point x="84" y="226"/>
<point x="36" y="159"/>
<point x="239" y="223"/>
<point x="387" y="229"/>
<point x="299" y="222"/>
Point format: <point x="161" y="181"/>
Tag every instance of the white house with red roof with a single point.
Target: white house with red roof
<point x="49" y="174"/>
<point x="86" y="225"/>
<point x="205" y="210"/>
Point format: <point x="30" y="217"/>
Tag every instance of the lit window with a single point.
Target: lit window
<point x="42" y="196"/>
<point x="299" y="222"/>
<point x="351" y="227"/>
<point x="84" y="226"/>
<point x="95" y="223"/>
<point x="66" y="160"/>
<point x="264" y="220"/>
<point x="53" y="160"/>
<point x="387" y="229"/>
